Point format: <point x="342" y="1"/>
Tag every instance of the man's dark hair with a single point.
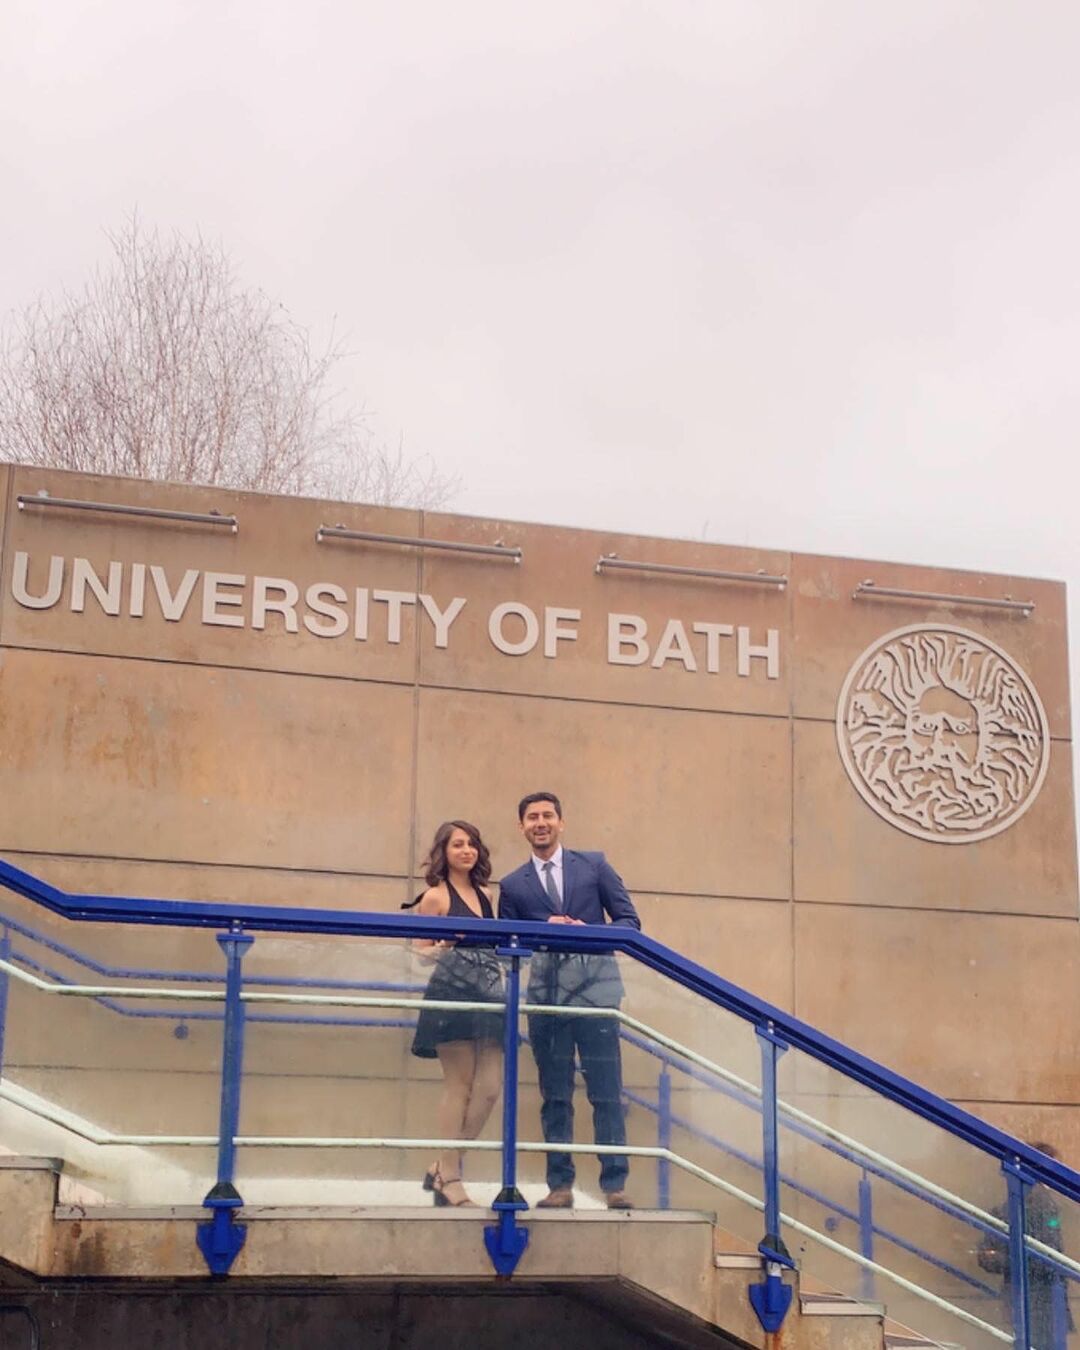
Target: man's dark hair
<point x="534" y="797"/>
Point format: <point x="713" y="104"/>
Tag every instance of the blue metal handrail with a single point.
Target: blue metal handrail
<point x="1027" y="1165"/>
<point x="588" y="938"/>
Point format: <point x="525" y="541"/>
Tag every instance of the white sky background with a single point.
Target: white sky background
<point x="799" y="275"/>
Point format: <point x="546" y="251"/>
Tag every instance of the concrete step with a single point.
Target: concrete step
<point x="838" y="1305"/>
<point x="675" y="1262"/>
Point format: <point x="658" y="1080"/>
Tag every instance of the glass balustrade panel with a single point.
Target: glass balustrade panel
<point x="355" y="1048"/>
<point x="84" y="952"/>
<point x="885" y="1207"/>
<point x="124" y="1089"/>
<point x="1053" y="1267"/>
<point x="688" y="1105"/>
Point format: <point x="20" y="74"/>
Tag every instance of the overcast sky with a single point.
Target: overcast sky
<point x="789" y="274"/>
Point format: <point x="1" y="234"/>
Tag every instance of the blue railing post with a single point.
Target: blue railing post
<point x="221" y="1239"/>
<point x="1059" y="1312"/>
<point x="5" y="952"/>
<point x="663" y="1137"/>
<point x="506" y="1240"/>
<point x="866" y="1234"/>
<point x="772" y="1297"/>
<point x="1018" y="1181"/>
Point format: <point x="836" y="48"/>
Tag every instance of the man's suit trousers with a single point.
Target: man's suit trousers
<point x="554" y="1041"/>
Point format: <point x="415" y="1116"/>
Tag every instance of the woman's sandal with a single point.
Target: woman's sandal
<point x="439" y="1183"/>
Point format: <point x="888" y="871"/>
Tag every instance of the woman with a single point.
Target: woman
<point x="468" y="1044"/>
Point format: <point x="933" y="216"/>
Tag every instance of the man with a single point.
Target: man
<point x="559" y="885"/>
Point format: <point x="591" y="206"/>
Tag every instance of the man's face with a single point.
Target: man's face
<point x="541" y="825"/>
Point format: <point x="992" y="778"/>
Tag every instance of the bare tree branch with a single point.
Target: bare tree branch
<point x="166" y="367"/>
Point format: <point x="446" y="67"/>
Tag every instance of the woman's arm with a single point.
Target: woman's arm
<point x="435" y="902"/>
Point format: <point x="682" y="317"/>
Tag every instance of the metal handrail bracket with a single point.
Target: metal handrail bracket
<point x="612" y="562"/>
<point x="496" y="550"/>
<point x="871" y="590"/>
<point x="120" y="509"/>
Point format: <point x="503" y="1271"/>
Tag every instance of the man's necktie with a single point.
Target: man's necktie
<point x="550" y="887"/>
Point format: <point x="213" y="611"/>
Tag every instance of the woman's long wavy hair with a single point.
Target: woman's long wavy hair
<point x="436" y="867"/>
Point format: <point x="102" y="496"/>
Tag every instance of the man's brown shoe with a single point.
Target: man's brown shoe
<point x="562" y="1197"/>
<point x="618" y="1200"/>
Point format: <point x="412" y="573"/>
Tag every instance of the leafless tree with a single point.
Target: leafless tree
<point x="166" y="367"/>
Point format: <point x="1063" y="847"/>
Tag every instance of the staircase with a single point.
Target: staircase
<point x="674" y="1272"/>
<point x="787" y="1187"/>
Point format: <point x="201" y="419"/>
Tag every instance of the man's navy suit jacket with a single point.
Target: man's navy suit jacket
<point x="592" y="892"/>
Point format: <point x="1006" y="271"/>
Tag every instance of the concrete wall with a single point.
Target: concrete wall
<point x="405" y="1319"/>
<point x="202" y="758"/>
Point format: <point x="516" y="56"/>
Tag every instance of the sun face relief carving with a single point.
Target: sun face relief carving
<point x="942" y="734"/>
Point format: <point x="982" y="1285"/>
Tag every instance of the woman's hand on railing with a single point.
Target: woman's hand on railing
<point x="429" y="952"/>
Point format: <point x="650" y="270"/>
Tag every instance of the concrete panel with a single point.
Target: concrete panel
<point x="126" y="1103"/>
<point x="46" y="1032"/>
<point x="180" y="762"/>
<point x="844" y="852"/>
<point x="334" y="891"/>
<point x="623" y="776"/>
<point x="5" y="480"/>
<point x="909" y="987"/>
<point x="275" y="539"/>
<point x="559" y="571"/>
<point x="831" y="629"/>
<point x="678" y="1269"/>
<point x="302" y="1103"/>
<point x="745" y="941"/>
<point x="841" y="1333"/>
<point x="687" y="1019"/>
<point x="1038" y="1123"/>
<point x="27" y="1197"/>
<point x="288" y="1056"/>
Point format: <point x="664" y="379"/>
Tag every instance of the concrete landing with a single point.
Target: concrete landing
<point x="674" y="1267"/>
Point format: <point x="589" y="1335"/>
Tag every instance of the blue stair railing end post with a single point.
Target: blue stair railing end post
<point x="663" y="1136"/>
<point x="506" y="1240"/>
<point x="5" y="952"/>
<point x="1018" y="1180"/>
<point x="867" y="1288"/>
<point x="771" y="1299"/>
<point x="221" y="1238"/>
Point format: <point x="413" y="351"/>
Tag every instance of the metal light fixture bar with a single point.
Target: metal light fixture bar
<point x="871" y="589"/>
<point x="447" y="545"/>
<point x="613" y="561"/>
<point x="117" y="509"/>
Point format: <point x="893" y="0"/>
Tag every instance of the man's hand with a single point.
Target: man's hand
<point x="564" y="918"/>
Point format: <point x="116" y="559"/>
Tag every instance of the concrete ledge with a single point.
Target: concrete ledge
<point x="671" y="1266"/>
<point x="838" y="1305"/>
<point x="257" y="1213"/>
<point x="159" y="1243"/>
<point x="31" y="1164"/>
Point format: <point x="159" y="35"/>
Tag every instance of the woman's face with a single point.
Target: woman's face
<point x="461" y="852"/>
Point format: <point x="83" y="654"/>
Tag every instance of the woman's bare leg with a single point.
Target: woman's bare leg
<point x="458" y="1060"/>
<point x="484" y="1089"/>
